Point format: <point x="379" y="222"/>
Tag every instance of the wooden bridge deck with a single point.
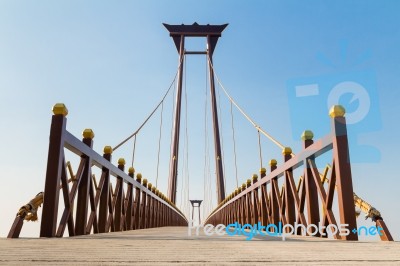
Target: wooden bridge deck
<point x="170" y="245"/>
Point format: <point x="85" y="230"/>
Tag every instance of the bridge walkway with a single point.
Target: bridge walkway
<point x="171" y="245"/>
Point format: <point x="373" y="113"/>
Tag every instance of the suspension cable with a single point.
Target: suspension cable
<point x="133" y="151"/>
<point x="276" y="142"/>
<point x="222" y="137"/>
<point x="159" y="142"/>
<point x="182" y="204"/>
<point x="234" y="145"/>
<point x="172" y="119"/>
<point x="151" y="114"/>
<point x="259" y="148"/>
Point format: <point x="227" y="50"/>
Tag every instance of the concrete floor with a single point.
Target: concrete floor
<point x="172" y="245"/>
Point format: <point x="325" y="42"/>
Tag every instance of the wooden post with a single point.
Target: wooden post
<point x="119" y="188"/>
<point x="256" y="216"/>
<point x="16" y="227"/>
<point x="163" y="213"/>
<point x="153" y="208"/>
<point x="105" y="193"/>
<point x="384" y="231"/>
<point x="137" y="203"/>
<point x="289" y="197"/>
<point x="144" y="209"/>
<point x="243" y="205"/>
<point x="274" y="201"/>
<point x="130" y="206"/>
<point x="84" y="185"/>
<point x="344" y="184"/>
<point x="237" y="207"/>
<point x="311" y="187"/>
<point x="55" y="163"/>
<point x="265" y="204"/>
<point x="157" y="210"/>
<point x="148" y="208"/>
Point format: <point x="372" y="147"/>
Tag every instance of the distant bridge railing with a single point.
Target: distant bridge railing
<point x="265" y="202"/>
<point x="132" y="204"/>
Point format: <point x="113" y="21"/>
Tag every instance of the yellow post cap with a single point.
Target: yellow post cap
<point x="60" y="109"/>
<point x="239" y="189"/>
<point x="149" y="185"/>
<point x="255" y="177"/>
<point x="337" y="111"/>
<point x="107" y="150"/>
<point x="273" y="162"/>
<point x="139" y="176"/>
<point x="287" y="151"/>
<point x="307" y="135"/>
<point x="88" y="133"/>
<point x="243" y="185"/>
<point x="263" y="170"/>
<point x="144" y="182"/>
<point x="131" y="170"/>
<point x="121" y="161"/>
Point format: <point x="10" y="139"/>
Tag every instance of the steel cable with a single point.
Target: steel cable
<point x="276" y="142"/>
<point x="151" y="114"/>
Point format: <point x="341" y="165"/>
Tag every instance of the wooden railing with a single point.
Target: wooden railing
<point x="265" y="202"/>
<point x="132" y="204"/>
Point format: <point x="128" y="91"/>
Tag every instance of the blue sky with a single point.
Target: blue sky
<point x="111" y="62"/>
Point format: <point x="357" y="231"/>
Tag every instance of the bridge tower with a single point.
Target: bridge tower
<point x="178" y="34"/>
<point x="196" y="204"/>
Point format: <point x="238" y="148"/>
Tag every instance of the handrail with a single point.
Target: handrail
<point x="263" y="200"/>
<point x="76" y="146"/>
<point x="100" y="208"/>
<point x="318" y="148"/>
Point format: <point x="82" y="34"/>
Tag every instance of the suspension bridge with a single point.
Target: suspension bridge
<point x="102" y="205"/>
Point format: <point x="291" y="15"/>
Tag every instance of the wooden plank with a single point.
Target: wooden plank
<point x="172" y="245"/>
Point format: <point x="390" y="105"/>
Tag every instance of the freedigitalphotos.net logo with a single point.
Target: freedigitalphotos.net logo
<point x="311" y="97"/>
<point x="251" y="230"/>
